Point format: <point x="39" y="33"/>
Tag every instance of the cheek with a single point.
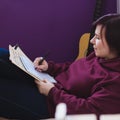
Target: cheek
<point x="102" y="47"/>
<point x="98" y="43"/>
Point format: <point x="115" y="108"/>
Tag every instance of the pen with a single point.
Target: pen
<point x="16" y="46"/>
<point x="43" y="58"/>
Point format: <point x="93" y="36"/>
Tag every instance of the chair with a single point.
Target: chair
<point x="79" y="117"/>
<point x="82" y="117"/>
<point x="110" y="117"/>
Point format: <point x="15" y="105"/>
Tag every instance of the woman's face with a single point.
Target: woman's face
<point x="100" y="45"/>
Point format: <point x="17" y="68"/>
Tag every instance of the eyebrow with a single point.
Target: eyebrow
<point x="97" y="34"/>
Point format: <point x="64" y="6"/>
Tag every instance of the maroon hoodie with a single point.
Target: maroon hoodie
<point x="88" y="85"/>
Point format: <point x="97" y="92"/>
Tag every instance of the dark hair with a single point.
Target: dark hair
<point x="111" y="23"/>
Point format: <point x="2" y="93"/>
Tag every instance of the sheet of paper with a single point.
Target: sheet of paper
<point x="30" y="68"/>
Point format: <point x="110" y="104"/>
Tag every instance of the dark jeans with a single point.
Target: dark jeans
<point x="19" y="96"/>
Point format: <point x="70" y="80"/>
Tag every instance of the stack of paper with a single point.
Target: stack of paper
<point x="18" y="57"/>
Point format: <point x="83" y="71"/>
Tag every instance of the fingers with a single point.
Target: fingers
<point x="37" y="82"/>
<point x="40" y="82"/>
<point x="36" y="61"/>
<point x="44" y="86"/>
<point x="45" y="81"/>
<point x="42" y="67"/>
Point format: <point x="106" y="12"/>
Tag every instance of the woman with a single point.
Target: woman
<point x="88" y="85"/>
<point x="92" y="84"/>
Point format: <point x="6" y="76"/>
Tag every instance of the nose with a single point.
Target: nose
<point x="92" y="40"/>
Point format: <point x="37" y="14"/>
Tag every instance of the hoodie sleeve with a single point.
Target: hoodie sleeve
<point x="56" y="68"/>
<point x="102" y="100"/>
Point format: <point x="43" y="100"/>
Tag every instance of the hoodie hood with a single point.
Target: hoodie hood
<point x="111" y="64"/>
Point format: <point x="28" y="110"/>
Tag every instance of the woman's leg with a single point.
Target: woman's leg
<point x="21" y="100"/>
<point x="19" y="97"/>
<point x="4" y="54"/>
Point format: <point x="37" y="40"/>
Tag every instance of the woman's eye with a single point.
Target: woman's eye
<point x="97" y="38"/>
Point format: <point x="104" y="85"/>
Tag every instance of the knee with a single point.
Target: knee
<point x="4" y="53"/>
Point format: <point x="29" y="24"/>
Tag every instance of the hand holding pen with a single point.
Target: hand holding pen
<point x="40" y="63"/>
<point x="43" y="58"/>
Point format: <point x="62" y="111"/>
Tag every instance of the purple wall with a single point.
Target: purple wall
<point x="39" y="26"/>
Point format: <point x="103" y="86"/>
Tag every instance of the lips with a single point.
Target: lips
<point x="94" y="47"/>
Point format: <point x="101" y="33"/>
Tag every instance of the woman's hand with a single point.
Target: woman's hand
<point x="44" y="86"/>
<point x="40" y="67"/>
